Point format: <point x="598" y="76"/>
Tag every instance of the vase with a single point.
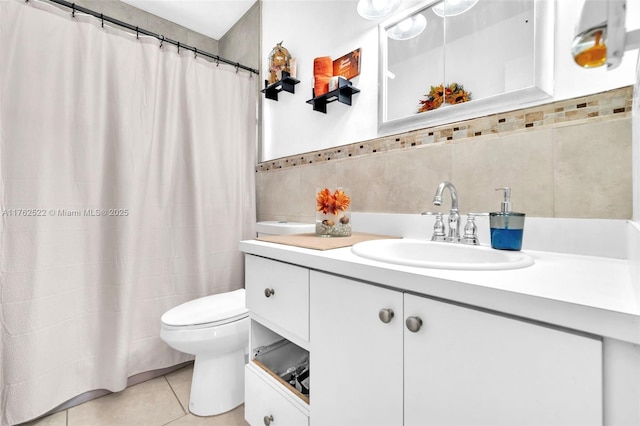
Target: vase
<point x="333" y="217"/>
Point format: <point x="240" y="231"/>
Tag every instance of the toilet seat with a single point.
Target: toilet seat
<point x="208" y="311"/>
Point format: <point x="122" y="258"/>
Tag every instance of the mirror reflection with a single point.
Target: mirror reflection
<point x="412" y="64"/>
<point x="490" y="47"/>
<point x="459" y="52"/>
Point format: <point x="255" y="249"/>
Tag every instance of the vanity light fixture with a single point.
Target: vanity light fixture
<point x="453" y="7"/>
<point x="376" y="9"/>
<point x="408" y="28"/>
<point x="601" y="37"/>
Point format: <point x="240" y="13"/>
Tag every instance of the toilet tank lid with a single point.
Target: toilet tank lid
<point x="274" y="227"/>
<point x="208" y="309"/>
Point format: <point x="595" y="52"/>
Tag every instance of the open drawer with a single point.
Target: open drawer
<point x="282" y="360"/>
<point x="268" y="404"/>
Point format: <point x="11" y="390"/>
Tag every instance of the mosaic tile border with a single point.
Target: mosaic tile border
<point x="554" y="114"/>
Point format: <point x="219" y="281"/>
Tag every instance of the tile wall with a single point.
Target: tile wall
<point x="569" y="158"/>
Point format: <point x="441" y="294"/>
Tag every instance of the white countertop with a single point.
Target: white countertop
<point x="590" y="294"/>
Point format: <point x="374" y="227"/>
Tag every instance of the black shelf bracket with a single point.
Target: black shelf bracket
<point x="342" y="94"/>
<point x="287" y="84"/>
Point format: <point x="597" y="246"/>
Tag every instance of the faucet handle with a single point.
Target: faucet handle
<point x="438" y="226"/>
<point x="470" y="235"/>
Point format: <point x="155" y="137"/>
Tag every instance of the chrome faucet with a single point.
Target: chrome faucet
<point x="454" y="216"/>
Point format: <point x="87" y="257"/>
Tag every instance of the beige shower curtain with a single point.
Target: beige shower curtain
<point x="127" y="180"/>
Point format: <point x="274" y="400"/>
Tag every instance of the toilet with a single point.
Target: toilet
<point x="274" y="227"/>
<point x="216" y="330"/>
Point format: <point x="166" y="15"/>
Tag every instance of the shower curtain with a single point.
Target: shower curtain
<point x="127" y="180"/>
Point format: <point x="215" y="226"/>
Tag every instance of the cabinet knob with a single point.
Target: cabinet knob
<point x="413" y="324"/>
<point x="268" y="419"/>
<point x="268" y="292"/>
<point x="385" y="315"/>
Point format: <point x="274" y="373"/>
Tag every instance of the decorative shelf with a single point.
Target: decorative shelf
<point x="287" y="84"/>
<point x="342" y="94"/>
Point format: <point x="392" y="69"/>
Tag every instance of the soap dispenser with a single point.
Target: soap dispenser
<point x="506" y="226"/>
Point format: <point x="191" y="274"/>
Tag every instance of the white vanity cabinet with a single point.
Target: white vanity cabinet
<point x="277" y="295"/>
<point x="459" y="365"/>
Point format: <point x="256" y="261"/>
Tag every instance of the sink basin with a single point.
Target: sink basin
<point x="440" y="255"/>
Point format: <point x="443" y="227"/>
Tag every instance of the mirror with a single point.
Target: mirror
<point x="472" y="58"/>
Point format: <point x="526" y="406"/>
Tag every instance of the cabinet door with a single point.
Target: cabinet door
<point x="356" y="359"/>
<point x="468" y="367"/>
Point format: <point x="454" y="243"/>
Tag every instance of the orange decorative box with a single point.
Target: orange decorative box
<point x="348" y="66"/>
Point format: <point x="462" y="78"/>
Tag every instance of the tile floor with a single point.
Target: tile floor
<point x="156" y="402"/>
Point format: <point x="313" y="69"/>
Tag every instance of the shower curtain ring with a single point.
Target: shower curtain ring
<point x="102" y="19"/>
<point x="195" y="52"/>
<point x="137" y="33"/>
<point x="237" y="67"/>
<point x="161" y="42"/>
<point x="73" y="10"/>
<point x="217" y="61"/>
<point x="178" y="48"/>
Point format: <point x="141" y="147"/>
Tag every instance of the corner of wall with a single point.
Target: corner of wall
<point x="633" y="251"/>
<point x="241" y="42"/>
<point x="634" y="226"/>
<point x="635" y="135"/>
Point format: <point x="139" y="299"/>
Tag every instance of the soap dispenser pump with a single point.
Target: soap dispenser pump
<point x="507" y="226"/>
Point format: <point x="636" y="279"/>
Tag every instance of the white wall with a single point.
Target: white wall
<point x="311" y="29"/>
<point x="332" y="28"/>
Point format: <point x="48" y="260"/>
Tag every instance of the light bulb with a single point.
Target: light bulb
<point x="408" y="28"/>
<point x="589" y="49"/>
<point x="453" y="7"/>
<point x="376" y="9"/>
<point x="405" y="25"/>
<point x="378" y="4"/>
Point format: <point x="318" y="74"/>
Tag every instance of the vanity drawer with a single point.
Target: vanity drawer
<point x="278" y="293"/>
<point x="266" y="404"/>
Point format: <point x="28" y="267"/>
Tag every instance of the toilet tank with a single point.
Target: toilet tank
<point x="274" y="227"/>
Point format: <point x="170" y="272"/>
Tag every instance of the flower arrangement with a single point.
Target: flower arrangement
<point x="332" y="215"/>
<point x="452" y="94"/>
<point x="332" y="203"/>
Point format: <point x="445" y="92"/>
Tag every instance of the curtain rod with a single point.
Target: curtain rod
<point x="75" y="8"/>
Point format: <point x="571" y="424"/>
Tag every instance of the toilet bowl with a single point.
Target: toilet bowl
<point x="216" y="330"/>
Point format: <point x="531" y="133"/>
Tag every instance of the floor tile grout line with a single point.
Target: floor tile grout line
<point x="176" y="395"/>
<point x="175" y="420"/>
<point x="185" y="412"/>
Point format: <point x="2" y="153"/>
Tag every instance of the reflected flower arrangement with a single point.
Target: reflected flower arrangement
<point x="452" y="94"/>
